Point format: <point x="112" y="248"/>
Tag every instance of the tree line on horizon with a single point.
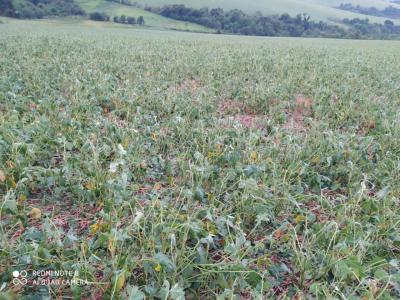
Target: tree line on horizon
<point x="387" y="12"/>
<point x="236" y="21"/>
<point x="123" y="19"/>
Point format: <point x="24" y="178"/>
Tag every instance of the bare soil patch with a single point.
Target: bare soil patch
<point x="232" y="111"/>
<point x="303" y="109"/>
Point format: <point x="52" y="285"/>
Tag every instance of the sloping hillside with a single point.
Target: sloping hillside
<point x="153" y="20"/>
<point x="366" y="3"/>
<point x="318" y="9"/>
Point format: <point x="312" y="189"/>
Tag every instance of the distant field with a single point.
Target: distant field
<point x="153" y="20"/>
<point x="172" y="165"/>
<point x="315" y="8"/>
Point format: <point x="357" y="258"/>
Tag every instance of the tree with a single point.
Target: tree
<point x="140" y="20"/>
<point x="7" y="8"/>
<point x="306" y="21"/>
<point x="388" y="25"/>
<point x="131" y="20"/>
<point x="122" y="19"/>
<point x="98" y="16"/>
<point x="39" y="8"/>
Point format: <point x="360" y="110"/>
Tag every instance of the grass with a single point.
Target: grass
<point x="152" y="20"/>
<point x="191" y="166"/>
<point x="317" y="9"/>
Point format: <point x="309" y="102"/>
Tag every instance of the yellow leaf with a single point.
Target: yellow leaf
<point x="299" y="219"/>
<point x="2" y="176"/>
<point x="254" y="156"/>
<point x="170" y="181"/>
<point x="89" y="186"/>
<point x="22" y="198"/>
<point x="94" y="228"/>
<point x="100" y="202"/>
<point x="125" y="143"/>
<point x="120" y="281"/>
<point x="111" y="246"/>
<point x="158" y="268"/>
<point x="211" y="228"/>
<point x="84" y="247"/>
<point x="316" y="160"/>
<point x="35" y="213"/>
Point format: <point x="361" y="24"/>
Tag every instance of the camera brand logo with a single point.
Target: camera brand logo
<point x="48" y="277"/>
<point x="20" y="277"/>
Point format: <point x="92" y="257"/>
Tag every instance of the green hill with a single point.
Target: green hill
<point x="152" y="20"/>
<point x="30" y="9"/>
<point x="317" y="9"/>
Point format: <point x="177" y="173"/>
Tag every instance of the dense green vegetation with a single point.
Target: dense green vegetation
<point x="238" y="22"/>
<point x="39" y="8"/>
<point x="129" y="20"/>
<point x="388" y="12"/>
<point x="183" y="166"/>
<point x="98" y="16"/>
<point x="365" y="29"/>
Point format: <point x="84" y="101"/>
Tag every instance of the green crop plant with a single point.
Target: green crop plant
<point x="166" y="165"/>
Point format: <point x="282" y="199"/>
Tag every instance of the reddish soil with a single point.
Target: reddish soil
<point x="296" y="118"/>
